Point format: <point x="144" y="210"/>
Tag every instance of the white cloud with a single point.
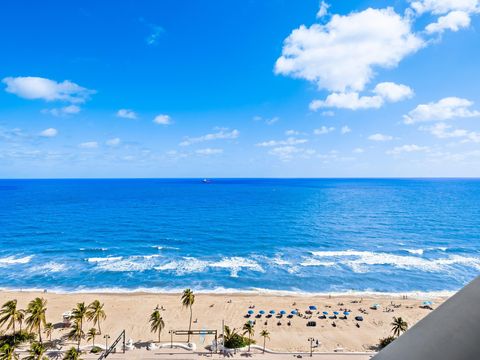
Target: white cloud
<point x="407" y="149"/>
<point x="292" y="132"/>
<point x="444" y="131"/>
<point x="358" y="151"/>
<point x="341" y="55"/>
<point x="66" y="110"/>
<point x="289" y="141"/>
<point x="380" y="137"/>
<point x="89" y="145"/>
<point x="209" y="151"/>
<point x="386" y="91"/>
<point x="222" y="133"/>
<point x="127" y="114"/>
<point x="30" y="87"/>
<point x="268" y="121"/>
<point x="287" y="153"/>
<point x="439" y="7"/>
<point x="444" y="109"/>
<point x="454" y="21"/>
<point x="50" y="132"/>
<point x="393" y="92"/>
<point x="113" y="142"/>
<point x="323" y="10"/>
<point x="323" y="130"/>
<point x="162" y="119"/>
<point x="345" y="129"/>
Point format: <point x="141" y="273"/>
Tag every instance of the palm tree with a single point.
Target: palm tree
<point x="266" y="335"/>
<point x="36" y="352"/>
<point x="48" y="330"/>
<point x="9" y="314"/>
<point x="91" y="335"/>
<point x="36" y="316"/>
<point x="96" y="313"/>
<point x="7" y="352"/>
<point x="398" y="326"/>
<point x="156" y="323"/>
<point x="72" y="354"/>
<point x="248" y="329"/>
<point x="79" y="314"/>
<point x="188" y="298"/>
<point x="76" y="333"/>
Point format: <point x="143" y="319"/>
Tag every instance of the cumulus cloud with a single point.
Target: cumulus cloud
<point x="341" y="55"/>
<point x="127" y="114"/>
<point x="445" y="131"/>
<point x="50" y="132"/>
<point x="289" y="141"/>
<point x="89" y="145"/>
<point x="323" y="130"/>
<point x="208" y="151"/>
<point x="380" y="137"/>
<point x="222" y="133"/>
<point x="444" y="109"/>
<point x="407" y="149"/>
<point x="358" y="151"/>
<point x="386" y="91"/>
<point x="162" y="119"/>
<point x="287" y="153"/>
<point x="292" y="132"/>
<point x="66" y="110"/>
<point x="30" y="87"/>
<point x="268" y="121"/>
<point x="113" y="142"/>
<point x="323" y="10"/>
<point x="439" y="7"/>
<point x="453" y="21"/>
<point x="345" y="130"/>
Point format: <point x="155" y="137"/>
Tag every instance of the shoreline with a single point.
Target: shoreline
<point x="235" y="292"/>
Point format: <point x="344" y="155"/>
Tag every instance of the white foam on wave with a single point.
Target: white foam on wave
<point x="359" y="261"/>
<point x="104" y="259"/>
<point x="184" y="266"/>
<point x="93" y="249"/>
<point x="237" y="263"/>
<point x="12" y="260"/>
<point x="316" y="262"/>
<point x="50" y="267"/>
<point x="415" y="251"/>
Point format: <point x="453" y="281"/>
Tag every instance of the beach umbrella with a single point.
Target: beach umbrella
<point x="283" y="312"/>
<point x="335" y="313"/>
<point x="312" y="307"/>
<point x="272" y="312"/>
<point x="293" y="312"/>
<point x="261" y="312"/>
<point x="325" y="313"/>
<point x="427" y="303"/>
<point x="250" y="312"/>
<point x="346" y="313"/>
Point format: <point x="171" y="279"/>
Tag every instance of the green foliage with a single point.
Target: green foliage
<point x="7" y="352"/>
<point x="156" y="323"/>
<point x="398" y="326"/>
<point x="385" y="341"/>
<point x="72" y="354"/>
<point x="96" y="350"/>
<point x="233" y="340"/>
<point x="19" y="338"/>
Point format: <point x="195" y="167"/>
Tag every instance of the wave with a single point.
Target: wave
<point x="50" y="267"/>
<point x="359" y="261"/>
<point x="12" y="260"/>
<point x="104" y="259"/>
<point x="94" y="249"/>
<point x="415" y="251"/>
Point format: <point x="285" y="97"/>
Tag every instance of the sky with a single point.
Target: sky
<point x="238" y="88"/>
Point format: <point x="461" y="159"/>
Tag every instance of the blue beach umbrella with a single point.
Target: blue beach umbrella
<point x="272" y="312"/>
<point x="261" y="312"/>
<point x="325" y="313"/>
<point x="427" y="303"/>
<point x="312" y="307"/>
<point x="335" y="313"/>
<point x="293" y="312"/>
<point x="346" y="313"/>
<point x="283" y="312"/>
<point x="250" y="312"/>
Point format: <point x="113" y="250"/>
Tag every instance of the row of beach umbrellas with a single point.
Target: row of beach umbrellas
<point x="294" y="312"/>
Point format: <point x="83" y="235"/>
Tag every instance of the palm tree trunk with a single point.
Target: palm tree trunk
<point x="190" y="325"/>
<point x="249" y="342"/>
<point x="40" y="333"/>
<point x="159" y="333"/>
<point x="99" y="330"/>
<point x="264" y="340"/>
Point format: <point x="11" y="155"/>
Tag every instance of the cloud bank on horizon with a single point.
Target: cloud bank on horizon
<point x="350" y="101"/>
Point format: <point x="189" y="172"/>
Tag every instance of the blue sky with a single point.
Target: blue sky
<point x="239" y="88"/>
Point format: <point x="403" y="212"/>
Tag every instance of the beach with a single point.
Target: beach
<point x="131" y="311"/>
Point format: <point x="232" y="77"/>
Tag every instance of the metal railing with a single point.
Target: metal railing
<point x="114" y="344"/>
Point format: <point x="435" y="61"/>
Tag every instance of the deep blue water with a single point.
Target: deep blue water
<point x="327" y="235"/>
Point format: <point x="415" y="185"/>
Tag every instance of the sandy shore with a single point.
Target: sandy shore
<point x="131" y="312"/>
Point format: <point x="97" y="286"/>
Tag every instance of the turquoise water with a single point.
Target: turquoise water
<point x="327" y="235"/>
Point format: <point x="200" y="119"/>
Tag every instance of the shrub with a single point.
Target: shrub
<point x="385" y="341"/>
<point x="19" y="338"/>
<point x="96" y="350"/>
<point x="236" y="341"/>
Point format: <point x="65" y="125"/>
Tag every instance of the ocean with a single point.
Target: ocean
<point x="232" y="235"/>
